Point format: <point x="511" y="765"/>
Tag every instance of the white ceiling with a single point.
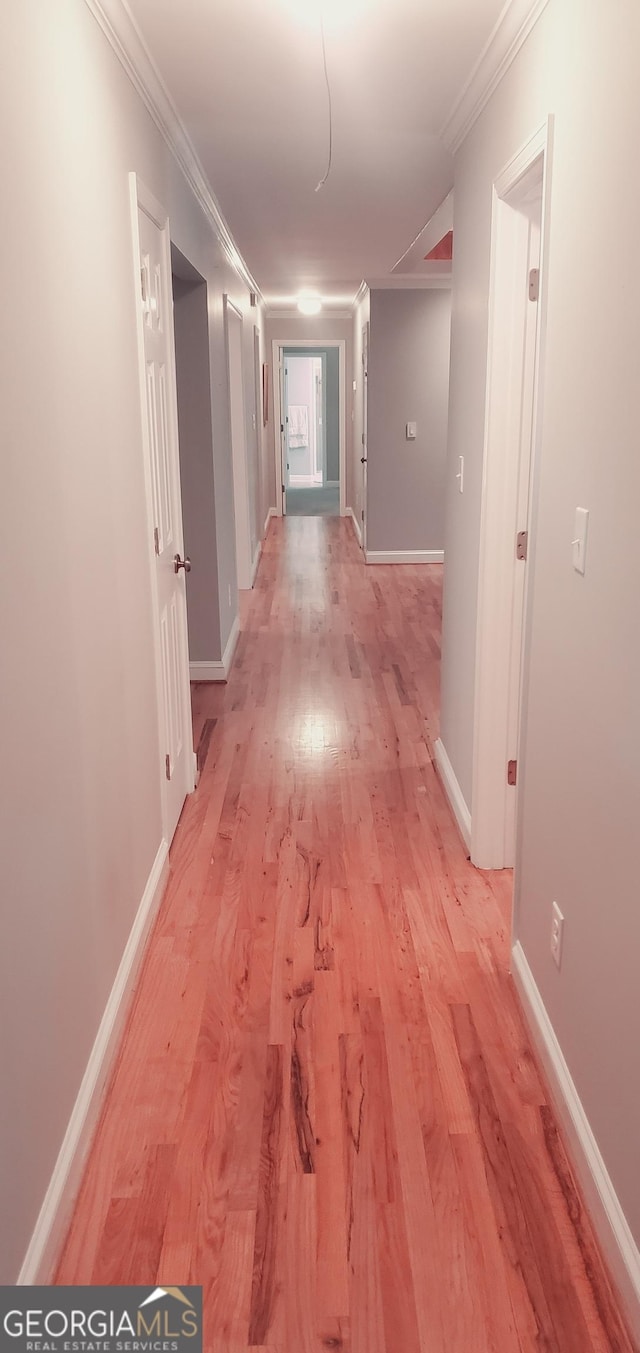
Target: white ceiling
<point x="247" y="79"/>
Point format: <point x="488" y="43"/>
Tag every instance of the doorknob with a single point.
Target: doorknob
<point x="363" y="460"/>
<point x="179" y="563"/>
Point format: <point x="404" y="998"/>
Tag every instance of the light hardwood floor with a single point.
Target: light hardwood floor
<point x="326" y="1110"/>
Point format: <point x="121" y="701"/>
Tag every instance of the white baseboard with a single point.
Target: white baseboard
<point x="453" y="792"/>
<point x="405" y="556"/>
<point x="207" y="671"/>
<point x="227" y="656"/>
<point x="610" y="1223"/>
<point x="55" y="1214"/>
<point x="356" y="524"/>
<point x="219" y="669"/>
<point x="271" y="513"/>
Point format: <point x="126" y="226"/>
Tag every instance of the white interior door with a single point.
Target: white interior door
<point x="244" y="559"/>
<point x="531" y="213"/>
<point x="284" y="436"/>
<point x="515" y="363"/>
<point x="365" y="410"/>
<point x="165" y="509"/>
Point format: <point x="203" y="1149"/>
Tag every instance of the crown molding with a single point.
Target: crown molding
<point x="511" y="31"/>
<point x="360" y="295"/>
<point x="120" y="28"/>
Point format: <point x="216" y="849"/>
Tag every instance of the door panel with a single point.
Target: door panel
<point x="284" y="438"/>
<point x="166" y="509"/>
<point x="365" y="412"/>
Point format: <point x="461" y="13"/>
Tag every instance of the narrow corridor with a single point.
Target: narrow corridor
<point x="326" y="1111"/>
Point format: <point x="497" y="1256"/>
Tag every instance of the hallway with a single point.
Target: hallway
<point x="326" y="1111"/>
<point x="323" y="501"/>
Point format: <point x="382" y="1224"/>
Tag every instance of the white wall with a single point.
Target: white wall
<point x="408" y="381"/>
<point x="80" y="812"/>
<point x="580" y="759"/>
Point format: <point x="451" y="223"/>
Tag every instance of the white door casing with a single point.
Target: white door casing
<point x="257" y="417"/>
<point x="282" y="473"/>
<point x="530" y="212"/>
<point x="515" y="348"/>
<point x="365" y="413"/>
<point x="164" y="507"/>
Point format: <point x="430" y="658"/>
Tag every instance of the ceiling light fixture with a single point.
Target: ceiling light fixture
<point x="309" y="303"/>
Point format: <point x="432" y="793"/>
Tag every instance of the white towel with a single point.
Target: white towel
<point x="298" y="425"/>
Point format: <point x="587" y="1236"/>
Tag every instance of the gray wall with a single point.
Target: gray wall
<point x="408" y="381"/>
<point x="579" y="786"/>
<point x="196" y="467"/>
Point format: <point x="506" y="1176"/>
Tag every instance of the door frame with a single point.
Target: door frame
<point x="364" y="442"/>
<point x="257" y="416"/>
<point x="140" y="198"/>
<point x="239" y="459"/>
<point x="278" y="345"/>
<point x="495" y="668"/>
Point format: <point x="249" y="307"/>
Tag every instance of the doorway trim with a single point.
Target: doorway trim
<point x="245" y="563"/>
<point x="278" y="346"/>
<point x="141" y="198"/>
<point x="492" y="810"/>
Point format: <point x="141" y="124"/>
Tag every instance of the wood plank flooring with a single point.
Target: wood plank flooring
<point x="326" y="1110"/>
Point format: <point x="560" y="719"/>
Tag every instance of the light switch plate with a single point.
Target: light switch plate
<point x="579" y="542"/>
<point x="411" y="431"/>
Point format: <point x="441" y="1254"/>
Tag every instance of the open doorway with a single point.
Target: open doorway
<point x="309" y="400"/>
<point x="193" y="382"/>
<point x="193" y="389"/>
<point x="312" y="432"/>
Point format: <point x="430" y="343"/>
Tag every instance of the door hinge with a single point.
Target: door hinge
<point x="156" y="540"/>
<point x="167" y="766"/>
<point x="522" y="544"/>
<point x="362" y="439"/>
<point x="534" y="284"/>
<point x="362" y="514"/>
<point x="512" y="772"/>
<point x="143" y="284"/>
<point x="283" y="489"/>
